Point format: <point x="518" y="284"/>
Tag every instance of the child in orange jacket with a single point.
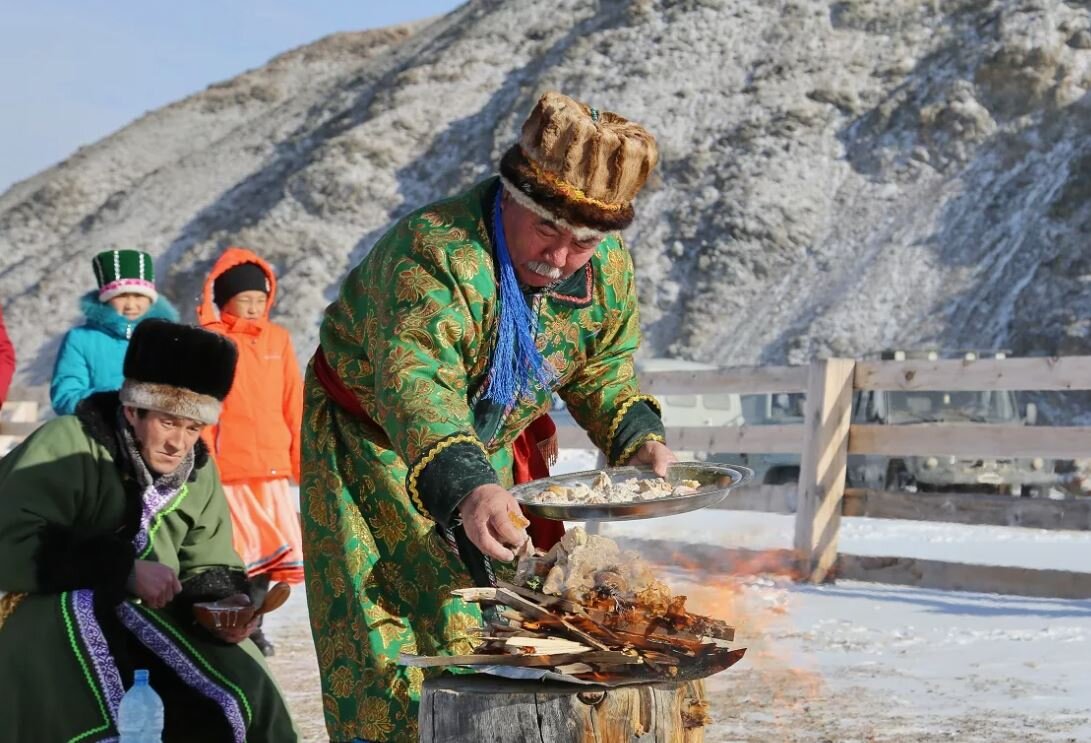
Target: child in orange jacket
<point x="256" y="442"/>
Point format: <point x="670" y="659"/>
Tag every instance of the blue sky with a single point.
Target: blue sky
<point x="73" y="71"/>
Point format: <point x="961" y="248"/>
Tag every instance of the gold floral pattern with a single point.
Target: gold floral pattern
<point x="412" y="349"/>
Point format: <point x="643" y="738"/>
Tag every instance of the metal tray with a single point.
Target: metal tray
<point x="722" y="478"/>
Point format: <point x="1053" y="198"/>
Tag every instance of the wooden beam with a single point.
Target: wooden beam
<point x="762" y="498"/>
<point x="787" y="439"/>
<point x="953" y="576"/>
<point x="20" y="430"/>
<point x="905" y="571"/>
<point x="971" y="440"/>
<point x="20" y="411"/>
<point x="1056" y="373"/>
<point x="827" y="416"/>
<point x="741" y="380"/>
<point x="970" y="508"/>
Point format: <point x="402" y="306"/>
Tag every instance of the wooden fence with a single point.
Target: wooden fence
<point x="827" y="436"/>
<point x="18" y="418"/>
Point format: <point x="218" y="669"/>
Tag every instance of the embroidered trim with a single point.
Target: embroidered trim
<point x="435" y="451"/>
<point x="141" y="624"/>
<point x="586" y="298"/>
<point x="145" y="538"/>
<point x="102" y="660"/>
<point x="631" y="448"/>
<point x="76" y="650"/>
<point x="566" y="189"/>
<point x="620" y="416"/>
<point x="580" y="233"/>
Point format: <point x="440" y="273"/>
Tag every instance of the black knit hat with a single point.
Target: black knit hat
<point x="244" y="277"/>
<point x="178" y="369"/>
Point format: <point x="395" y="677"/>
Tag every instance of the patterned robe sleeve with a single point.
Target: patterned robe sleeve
<point x="208" y="566"/>
<point x="423" y="330"/>
<point x="604" y="396"/>
<point x="44" y="488"/>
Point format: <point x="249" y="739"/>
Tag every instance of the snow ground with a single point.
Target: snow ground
<point x="851" y="661"/>
<point x="920" y="664"/>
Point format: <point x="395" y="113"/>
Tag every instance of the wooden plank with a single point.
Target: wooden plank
<point x="740" y="380"/>
<point x="762" y="498"/>
<point x="894" y="570"/>
<point x="972" y="440"/>
<point x="1056" y="373"/>
<point x="602" y="657"/>
<point x="970" y="508"/>
<point x="952" y="576"/>
<point x="19" y="411"/>
<point x="786" y="439"/>
<point x="827" y="416"/>
<point x="18" y="429"/>
<point x="714" y="558"/>
<point x="778" y="439"/>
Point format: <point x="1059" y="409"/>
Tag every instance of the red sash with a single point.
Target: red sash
<point x="531" y="450"/>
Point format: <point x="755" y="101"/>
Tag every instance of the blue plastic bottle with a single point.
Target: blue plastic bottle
<point x="140" y="715"/>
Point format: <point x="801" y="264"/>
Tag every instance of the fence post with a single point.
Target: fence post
<point x="827" y="418"/>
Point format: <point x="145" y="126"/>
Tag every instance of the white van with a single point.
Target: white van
<point x="698" y="409"/>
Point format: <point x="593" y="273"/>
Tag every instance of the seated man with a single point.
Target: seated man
<point x="113" y="524"/>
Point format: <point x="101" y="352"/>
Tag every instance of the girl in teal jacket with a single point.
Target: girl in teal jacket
<point x="90" y="356"/>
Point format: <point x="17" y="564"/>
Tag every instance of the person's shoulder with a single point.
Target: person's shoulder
<point x="65" y="433"/>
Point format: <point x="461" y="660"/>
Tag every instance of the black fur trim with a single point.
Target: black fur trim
<point x="515" y="167"/>
<point x="69" y="559"/>
<point x="168" y="353"/>
<point x="98" y="416"/>
<point x="211" y="585"/>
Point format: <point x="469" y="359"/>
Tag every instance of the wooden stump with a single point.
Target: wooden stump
<point x="487" y="709"/>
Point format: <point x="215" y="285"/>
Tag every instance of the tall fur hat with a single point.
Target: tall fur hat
<point x="124" y="272"/>
<point x="578" y="165"/>
<point x="178" y="369"/>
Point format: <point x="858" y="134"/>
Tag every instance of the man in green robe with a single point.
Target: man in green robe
<point x="443" y="345"/>
<point x="112" y="525"/>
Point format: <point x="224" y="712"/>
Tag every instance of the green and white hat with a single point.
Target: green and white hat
<point x="124" y="272"/>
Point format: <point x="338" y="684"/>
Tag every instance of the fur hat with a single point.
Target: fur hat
<point x="124" y="272"/>
<point x="178" y="369"/>
<point x="579" y="166"/>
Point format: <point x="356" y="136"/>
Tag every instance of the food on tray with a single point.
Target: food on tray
<point x="604" y="490"/>
<point x="582" y="567"/>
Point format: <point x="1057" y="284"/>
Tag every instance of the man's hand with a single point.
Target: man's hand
<point x="655" y="454"/>
<point x="155" y="584"/>
<point x="485" y="516"/>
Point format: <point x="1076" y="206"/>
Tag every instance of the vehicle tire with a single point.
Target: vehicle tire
<point x="897" y="477"/>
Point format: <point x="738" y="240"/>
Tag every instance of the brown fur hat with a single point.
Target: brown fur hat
<point x="582" y="166"/>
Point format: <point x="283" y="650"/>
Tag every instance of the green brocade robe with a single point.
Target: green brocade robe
<point x="409" y="338"/>
<point x="71" y="523"/>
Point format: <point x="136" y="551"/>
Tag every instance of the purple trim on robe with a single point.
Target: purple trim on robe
<point x="153" y="501"/>
<point x="159" y="643"/>
<point x="94" y="642"/>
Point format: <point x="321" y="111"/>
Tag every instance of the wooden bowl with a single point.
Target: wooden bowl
<point x="229" y="613"/>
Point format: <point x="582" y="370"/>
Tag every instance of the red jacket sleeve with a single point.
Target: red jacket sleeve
<point x="7" y="360"/>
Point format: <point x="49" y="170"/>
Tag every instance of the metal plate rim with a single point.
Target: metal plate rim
<point x="632" y="510"/>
